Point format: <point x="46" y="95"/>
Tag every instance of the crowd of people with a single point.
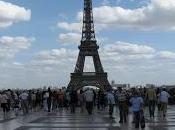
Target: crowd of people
<point x="87" y="100"/>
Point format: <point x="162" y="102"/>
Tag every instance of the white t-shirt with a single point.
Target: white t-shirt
<point x="24" y="96"/>
<point x="164" y="96"/>
<point x="46" y="95"/>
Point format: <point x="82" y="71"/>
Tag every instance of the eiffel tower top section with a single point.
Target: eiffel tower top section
<point x="88" y="32"/>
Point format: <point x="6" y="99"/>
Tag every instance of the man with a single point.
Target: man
<point x="123" y="105"/>
<point x="24" y="101"/>
<point x="4" y="102"/>
<point x="151" y="98"/>
<point x="111" y="103"/>
<point x="163" y="97"/>
<point x="60" y="99"/>
<point x="73" y="100"/>
<point x="49" y="99"/>
<point x="81" y="100"/>
<point x="89" y="98"/>
<point x="136" y="105"/>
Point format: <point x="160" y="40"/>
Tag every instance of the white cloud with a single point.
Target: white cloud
<point x="61" y="54"/>
<point x="128" y="48"/>
<point x="119" y="52"/>
<point x="10" y="14"/>
<point x="10" y="46"/>
<point x="69" y="38"/>
<point x="166" y="55"/>
<point x="157" y="14"/>
<point x="70" y="26"/>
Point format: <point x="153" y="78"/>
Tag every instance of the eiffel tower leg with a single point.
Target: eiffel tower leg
<point x="80" y="63"/>
<point x="97" y="63"/>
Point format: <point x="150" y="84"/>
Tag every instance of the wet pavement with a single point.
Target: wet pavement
<point x="63" y="120"/>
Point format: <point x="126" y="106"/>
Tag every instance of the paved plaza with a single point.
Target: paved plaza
<point x="66" y="121"/>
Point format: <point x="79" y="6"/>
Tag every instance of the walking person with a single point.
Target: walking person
<point x="60" y="99"/>
<point x="89" y="98"/>
<point x="67" y="100"/>
<point x="24" y="102"/>
<point x="82" y="101"/>
<point x="111" y="102"/>
<point x="158" y="99"/>
<point x="151" y="99"/>
<point x="16" y="106"/>
<point x="122" y="104"/>
<point x="39" y="99"/>
<point x="137" y="108"/>
<point x="163" y="97"/>
<point x="55" y="100"/>
<point x="4" y="102"/>
<point x="33" y="101"/>
<point x="49" y="99"/>
<point x="9" y="99"/>
<point x="73" y="100"/>
<point x="101" y="100"/>
<point x="45" y="99"/>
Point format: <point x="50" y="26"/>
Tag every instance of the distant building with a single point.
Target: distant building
<point x="115" y="86"/>
<point x="168" y="87"/>
<point x="150" y="85"/>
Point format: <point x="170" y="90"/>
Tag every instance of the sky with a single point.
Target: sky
<point x="39" y="40"/>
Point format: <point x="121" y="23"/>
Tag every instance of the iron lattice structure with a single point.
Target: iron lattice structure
<point x="88" y="47"/>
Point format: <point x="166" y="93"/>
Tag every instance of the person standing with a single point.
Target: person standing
<point x="163" y="97"/>
<point x="89" y="98"/>
<point x="111" y="102"/>
<point x="151" y="98"/>
<point x="137" y="108"/>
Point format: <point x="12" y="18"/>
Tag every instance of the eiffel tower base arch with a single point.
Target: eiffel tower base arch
<point x="80" y="80"/>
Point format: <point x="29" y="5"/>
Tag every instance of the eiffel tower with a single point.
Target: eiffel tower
<point x="88" y="47"/>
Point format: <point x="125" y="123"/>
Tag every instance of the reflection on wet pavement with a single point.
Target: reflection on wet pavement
<point x="98" y="121"/>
